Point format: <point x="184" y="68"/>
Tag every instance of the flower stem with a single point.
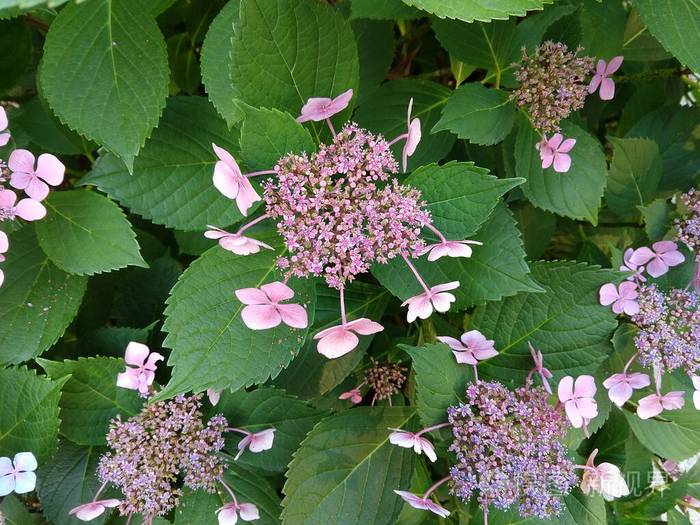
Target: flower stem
<point x="343" y="318"/>
<point x="418" y="277"/>
<point x="624" y="370"/>
<point x="261" y="172"/>
<point x="436" y="232"/>
<point x="434" y="486"/>
<point x="99" y="491"/>
<point x="252" y="223"/>
<point x="394" y="141"/>
<point x="476" y="374"/>
<point x="240" y="430"/>
<point x="434" y="427"/>
<point x="330" y="125"/>
<point x="229" y="490"/>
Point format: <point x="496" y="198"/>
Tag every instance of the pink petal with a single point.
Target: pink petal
<point x="337" y="343"/>
<point x="464" y="357"/>
<point x="402" y="438"/>
<point x="21" y="179"/>
<point x="585" y="386"/>
<point x="473" y="338"/>
<point x="554" y="142"/>
<point x="641" y="256"/>
<point x="4" y="138"/>
<point x="216" y="233"/>
<point x="260" y="317"/>
<point x="670" y="401"/>
<point x="3" y="119"/>
<point x="136" y="354"/>
<point x="673" y="258"/>
<point x="628" y="290"/>
<point x="252" y="296"/>
<point x="444" y="287"/>
<point x="600" y="67"/>
<point x="614" y="65"/>
<point x="620" y="393"/>
<point x="657" y="267"/>
<point x="413" y="139"/>
<point x="637" y="380"/>
<point x="226" y="157"/>
<point x="614" y="380"/>
<point x="2" y="277"/>
<point x="453" y="343"/>
<point x="565" y="390"/>
<point x="630" y="307"/>
<point x="418" y="306"/>
<point x="364" y="326"/>
<point x="547" y="158"/>
<point x="4" y="242"/>
<point x="30" y="210"/>
<point x="277" y="291"/>
<point x="25" y="462"/>
<point x="226" y="181"/>
<point x="128" y="379"/>
<point x="649" y="407"/>
<point x="587" y="407"/>
<point x="36" y="189"/>
<point x="608" y="294"/>
<point x="88" y="512"/>
<point x="428" y="449"/>
<point x="227" y="515"/>
<point x="6" y="466"/>
<point x="214" y="396"/>
<point x="607" y="89"/>
<point x="340" y="102"/>
<point x="562" y="162"/>
<point x="25" y="482"/>
<point x="246" y="196"/>
<point x="262" y="440"/>
<point x="248" y="512"/>
<point x="21" y="160"/>
<point x="7" y="199"/>
<point x="437" y="251"/>
<point x="664" y="246"/>
<point x="150" y="363"/>
<point x="566" y="146"/>
<point x="7" y="484"/>
<point x="442" y="301"/>
<point x="316" y="109"/>
<point x="486" y="353"/>
<point x="573" y="414"/>
<point x="50" y="169"/>
<point x="293" y="315"/>
<point x="595" y="82"/>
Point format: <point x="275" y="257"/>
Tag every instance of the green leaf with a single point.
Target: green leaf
<point x="640" y="45"/>
<point x="537" y="228"/>
<point x="184" y="66"/>
<point x="172" y="179"/>
<point x="577" y="510"/>
<point x="216" y="62"/>
<point x="29" y="416"/>
<point x="440" y="381"/>
<point x="460" y="196"/>
<point x="385" y="113"/>
<point x="602" y="28"/>
<point x="375" y="48"/>
<point x="85" y="233"/>
<point x="120" y="47"/>
<point x="566" y="323"/>
<point x="383" y="10"/>
<point x="15" y="35"/>
<point x="91" y="397"/>
<point x="495" y="270"/>
<point x="483" y="10"/>
<point x="266" y="408"/>
<point x="310" y="375"/>
<point x="575" y="194"/>
<point x="635" y="172"/>
<point x="676" y="24"/>
<point x="37" y="300"/>
<point x="479" y="114"/>
<point x="296" y="49"/>
<point x="67" y="481"/>
<point x="656" y="219"/>
<point x="346" y="469"/>
<point x="212" y="348"/>
<point x="269" y="134"/>
<point x="15" y="513"/>
<point x="43" y="130"/>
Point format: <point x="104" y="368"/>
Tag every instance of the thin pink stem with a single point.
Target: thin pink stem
<point x="330" y="125"/>
<point x="400" y="137"/>
<point x="434" y="486"/>
<point x="229" y="490"/>
<point x="343" y="318"/>
<point x="240" y="430"/>
<point x="99" y="491"/>
<point x="585" y="467"/>
<point x="128" y="519"/>
<point x="436" y="232"/>
<point x="624" y="370"/>
<point x="261" y="172"/>
<point x="486" y="516"/>
<point x="415" y="272"/>
<point x="476" y="374"/>
<point x="252" y="223"/>
<point x="529" y="375"/>
<point x="434" y="427"/>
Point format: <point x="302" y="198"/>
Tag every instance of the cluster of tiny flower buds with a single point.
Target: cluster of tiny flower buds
<point x="386" y="379"/>
<point x="688" y="228"/>
<point x="24" y="172"/>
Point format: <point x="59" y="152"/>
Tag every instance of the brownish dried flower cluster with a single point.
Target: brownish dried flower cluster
<point x="385" y="379"/>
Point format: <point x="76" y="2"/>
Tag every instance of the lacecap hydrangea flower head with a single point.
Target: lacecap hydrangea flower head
<point x="339" y="211"/>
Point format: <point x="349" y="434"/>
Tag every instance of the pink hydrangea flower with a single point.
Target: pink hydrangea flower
<point x="229" y="180"/>
<point x="623" y="298"/>
<point x="471" y="347"/>
<point x="602" y="78"/>
<point x="35" y="180"/>
<point x="27" y="209"/>
<point x="652" y="405"/>
<point x="4" y="135"/>
<point x="354" y="395"/>
<point x="4" y="246"/>
<point x="449" y="249"/>
<point x="419" y="444"/>
<point x="422" y="503"/>
<point x="18" y="475"/>
<point x="555" y="152"/>
<point x="338" y="340"/>
<point x="539" y="368"/>
<point x="234" y="242"/>
<point x="89" y="511"/>
<point x="577" y="397"/>
<point x="318" y="109"/>
<point x="436" y="297"/>
<point x="229" y="513"/>
<point x="605" y="479"/>
<point x="413" y="137"/>
<point x="621" y="386"/>
<point x="256" y="442"/>
<point x="659" y="258"/>
<point x="140" y="375"/>
<point x="637" y="272"/>
<point x="264" y="310"/>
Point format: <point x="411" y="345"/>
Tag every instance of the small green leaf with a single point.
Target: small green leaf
<point x="656" y="219"/>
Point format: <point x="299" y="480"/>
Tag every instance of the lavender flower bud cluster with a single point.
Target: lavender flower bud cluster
<point x="155" y="451"/>
<point x="508" y="448"/>
<point x="339" y="210"/>
<point x="552" y="84"/>
<point x="669" y="336"/>
<point x="385" y="379"/>
<point x="688" y="228"/>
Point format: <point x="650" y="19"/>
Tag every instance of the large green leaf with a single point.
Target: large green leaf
<point x="91" y="397"/>
<point x="602" y="28"/>
<point x="576" y="193"/>
<point x="29" y="417"/>
<point x="484" y="10"/>
<point x="311" y="375"/>
<point x="383" y="10"/>
<point x="676" y="24"/>
<point x="118" y="45"/>
<point x="495" y="270"/>
<point x="265" y="408"/>
<point x="567" y="323"/>
<point x="172" y="179"/>
<point x="85" y="233"/>
<point x="212" y="347"/>
<point x="634" y="175"/>
<point x="15" y="35"/>
<point x="14" y="511"/>
<point x="37" y="300"/>
<point x="296" y="49"/>
<point x="375" y="48"/>
<point x="385" y="113"/>
<point x="346" y="470"/>
<point x="577" y="510"/>
<point x="481" y="115"/>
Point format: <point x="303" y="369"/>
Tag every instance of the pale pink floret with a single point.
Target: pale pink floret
<point x="4" y="246"/>
<point x="257" y="442"/>
<point x="605" y="479"/>
<point x="27" y="209"/>
<point x="659" y="258"/>
<point x="18" y="475"/>
<point x="449" y="249"/>
<point x="229" y="513"/>
<point x="637" y="272"/>
<point x="652" y="405"/>
<point x="419" y="444"/>
<point x="621" y="386"/>
<point x="413" y="137"/>
<point x="264" y="310"/>
<point x="318" y="109"/>
<point x="554" y="152"/>
<point x="354" y="395"/>
<point x="602" y="78"/>
<point x="235" y="243"/>
<point x="471" y="347"/>
<point x="214" y="396"/>
<point x="577" y="397"/>
<point x="623" y="298"/>
<point x="696" y="394"/>
<point x="35" y="180"/>
<point x="418" y="502"/>
<point x="140" y="375"/>
<point x="437" y="298"/>
<point x="4" y="135"/>
<point x="539" y="368"/>
<point x="229" y="180"/>
<point x="338" y="340"/>
<point x="90" y="511"/>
